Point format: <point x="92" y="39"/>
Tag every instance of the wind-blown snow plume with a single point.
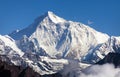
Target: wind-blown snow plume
<point x="106" y="70"/>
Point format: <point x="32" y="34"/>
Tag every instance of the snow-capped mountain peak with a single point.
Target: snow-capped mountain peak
<point x="58" y="37"/>
<point x="51" y="38"/>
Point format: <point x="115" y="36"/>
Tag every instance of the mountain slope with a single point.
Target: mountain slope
<point x="60" y="38"/>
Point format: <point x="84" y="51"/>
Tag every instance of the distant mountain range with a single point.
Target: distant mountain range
<point x="51" y="43"/>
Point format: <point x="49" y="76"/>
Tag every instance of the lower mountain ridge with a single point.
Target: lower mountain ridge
<point x="10" y="70"/>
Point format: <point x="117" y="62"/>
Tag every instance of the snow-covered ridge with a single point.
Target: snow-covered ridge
<point x="8" y="41"/>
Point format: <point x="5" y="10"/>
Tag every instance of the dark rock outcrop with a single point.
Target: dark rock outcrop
<point x="53" y="75"/>
<point x="112" y="58"/>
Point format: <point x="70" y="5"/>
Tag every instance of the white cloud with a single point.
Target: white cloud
<point x="90" y="22"/>
<point x="106" y="70"/>
<point x="74" y="69"/>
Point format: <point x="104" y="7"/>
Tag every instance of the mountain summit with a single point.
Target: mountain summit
<point x="54" y="18"/>
<point x="47" y="17"/>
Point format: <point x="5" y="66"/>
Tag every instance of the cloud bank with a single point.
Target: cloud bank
<point x="106" y="70"/>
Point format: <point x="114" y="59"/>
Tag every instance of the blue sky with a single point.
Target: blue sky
<point x="18" y="14"/>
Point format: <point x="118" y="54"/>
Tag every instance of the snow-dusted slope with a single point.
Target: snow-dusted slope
<point x="111" y="45"/>
<point x="8" y="46"/>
